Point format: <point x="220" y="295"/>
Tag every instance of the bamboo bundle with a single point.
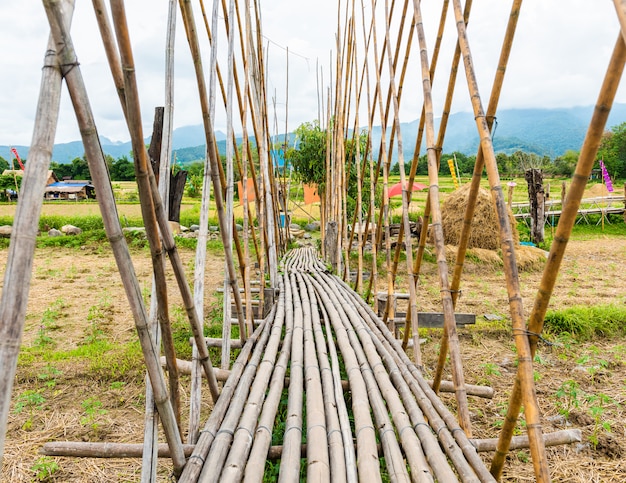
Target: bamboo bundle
<point x="263" y="435"/>
<point x="207" y="435"/>
<point x="318" y="465"/>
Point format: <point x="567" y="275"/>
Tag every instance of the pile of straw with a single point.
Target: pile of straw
<point x="485" y="233"/>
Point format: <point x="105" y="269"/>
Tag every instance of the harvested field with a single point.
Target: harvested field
<point x="89" y="397"/>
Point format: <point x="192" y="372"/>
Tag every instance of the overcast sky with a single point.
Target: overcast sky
<point x="559" y="58"/>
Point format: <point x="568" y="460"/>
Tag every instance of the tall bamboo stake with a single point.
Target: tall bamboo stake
<point x="101" y="180"/>
<point x="159" y="305"/>
<point x="433" y="168"/>
<point x="212" y="152"/>
<point x="386" y="162"/>
<point x="26" y="223"/>
<point x="510" y="266"/>
<point x="472" y="195"/>
<point x="406" y="198"/>
<point x="440" y="137"/>
<point x="563" y="230"/>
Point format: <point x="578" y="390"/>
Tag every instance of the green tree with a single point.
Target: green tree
<point x="7" y="184"/>
<point x="61" y="170"/>
<point x="613" y="151"/>
<point x="4" y="164"/>
<point x="309" y="157"/>
<point x="80" y="168"/>
<point x="122" y="169"/>
<point x="566" y="164"/>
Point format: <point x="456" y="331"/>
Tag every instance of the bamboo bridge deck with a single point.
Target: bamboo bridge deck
<point x="318" y="330"/>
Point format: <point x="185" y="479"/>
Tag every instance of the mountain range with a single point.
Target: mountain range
<point x="549" y="132"/>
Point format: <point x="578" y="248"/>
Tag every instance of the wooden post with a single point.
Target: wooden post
<point x="536" y="197"/>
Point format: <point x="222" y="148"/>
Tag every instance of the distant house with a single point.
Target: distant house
<point x="52" y="178"/>
<point x="70" y="190"/>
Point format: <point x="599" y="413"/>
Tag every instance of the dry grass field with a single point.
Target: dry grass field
<point x="80" y="375"/>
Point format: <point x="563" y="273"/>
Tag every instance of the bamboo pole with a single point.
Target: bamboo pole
<point x="215" y="459"/>
<point x="142" y="169"/>
<point x="235" y="464"/>
<point x="263" y="435"/>
<point x="26" y="223"/>
<point x="443" y="423"/>
<point x="446" y="299"/>
<point x="382" y="353"/>
<point x="406" y="199"/>
<point x="386" y="164"/>
<point x="192" y="38"/>
<point x="442" y="129"/>
<point x="229" y="194"/>
<point x="207" y="435"/>
<point x="379" y="387"/>
<point x="290" y="461"/>
<point x="525" y="370"/>
<point x="557" y="250"/>
<point x="367" y="459"/>
<point x="159" y="305"/>
<point x="101" y="181"/>
<point x="339" y="457"/>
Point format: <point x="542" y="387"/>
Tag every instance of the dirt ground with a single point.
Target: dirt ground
<point x="579" y="385"/>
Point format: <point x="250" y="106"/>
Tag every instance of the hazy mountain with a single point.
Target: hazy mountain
<point x="182" y="137"/>
<point x="548" y="132"/>
<point x="542" y="131"/>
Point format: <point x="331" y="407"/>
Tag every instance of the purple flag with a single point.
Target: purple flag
<point x="607" y="178"/>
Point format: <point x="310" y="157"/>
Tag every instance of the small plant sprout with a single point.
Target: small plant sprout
<point x="31" y="400"/>
<point x="597" y="406"/>
<point x="567" y="397"/>
<point x="44" y="468"/>
<point x="92" y="408"/>
<point x="491" y="369"/>
<point x="48" y="376"/>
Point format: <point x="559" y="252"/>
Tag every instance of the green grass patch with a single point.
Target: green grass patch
<point x="586" y="322"/>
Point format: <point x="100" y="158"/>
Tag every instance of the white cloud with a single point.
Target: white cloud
<point x="559" y="58"/>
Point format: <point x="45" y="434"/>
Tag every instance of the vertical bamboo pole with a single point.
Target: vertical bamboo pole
<point x="101" y="180"/>
<point x="525" y="370"/>
<point x="25" y="225"/>
<point x="433" y="168"/>
<point x="150" y="453"/>
<point x="386" y="163"/>
<point x="479" y="164"/>
<point x="406" y="197"/>
<point x="212" y="152"/>
<point x="564" y="228"/>
<point x="230" y="147"/>
<point x="244" y="176"/>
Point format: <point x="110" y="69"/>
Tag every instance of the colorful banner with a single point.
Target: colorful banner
<point x="310" y="194"/>
<point x="607" y="178"/>
<point x="453" y="173"/>
<point x="17" y="156"/>
<point x="250" y="190"/>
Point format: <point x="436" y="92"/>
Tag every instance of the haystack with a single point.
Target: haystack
<point x="485" y="233"/>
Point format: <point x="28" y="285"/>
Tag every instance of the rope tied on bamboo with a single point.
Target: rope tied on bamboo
<point x="364" y="427"/>
<point x="539" y="337"/>
<point x="71" y="65"/>
<point x="422" y="424"/>
<point x="262" y="426"/>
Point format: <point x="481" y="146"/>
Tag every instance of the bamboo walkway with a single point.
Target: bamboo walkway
<point x="319" y="330"/>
